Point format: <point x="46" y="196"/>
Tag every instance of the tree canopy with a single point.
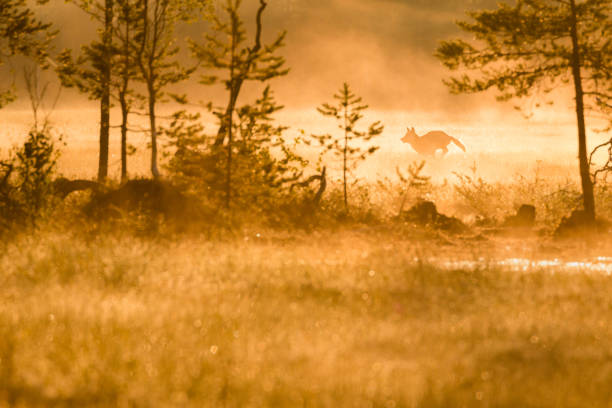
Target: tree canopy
<point x="21" y="32"/>
<point x="532" y="47"/>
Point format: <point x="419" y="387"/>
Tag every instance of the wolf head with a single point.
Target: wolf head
<point x="410" y="136"/>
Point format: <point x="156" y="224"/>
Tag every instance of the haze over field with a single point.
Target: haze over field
<point x="259" y="256"/>
<point x="383" y="48"/>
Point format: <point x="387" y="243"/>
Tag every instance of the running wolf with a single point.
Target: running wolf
<point x="430" y="143"/>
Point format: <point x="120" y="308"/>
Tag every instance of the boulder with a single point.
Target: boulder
<point x="145" y="196"/>
<point x="579" y="224"/>
<point x="524" y="217"/>
<point x="425" y="213"/>
<point x="62" y="187"/>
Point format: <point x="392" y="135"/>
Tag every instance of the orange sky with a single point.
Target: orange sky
<point x="383" y="48"/>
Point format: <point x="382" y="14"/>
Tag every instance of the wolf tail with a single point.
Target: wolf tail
<point x="458" y="143"/>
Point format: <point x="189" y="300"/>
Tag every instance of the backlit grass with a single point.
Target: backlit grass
<point x="329" y="319"/>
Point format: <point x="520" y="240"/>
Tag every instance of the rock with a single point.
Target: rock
<point x="480" y="237"/>
<point x="425" y="213"/>
<point x="578" y="224"/>
<point x="62" y="187"/>
<point x="144" y="196"/>
<point x="485" y="222"/>
<point x="524" y="218"/>
<point x="451" y="224"/>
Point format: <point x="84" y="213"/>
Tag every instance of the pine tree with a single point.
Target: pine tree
<point x="264" y="166"/>
<point x="156" y="55"/>
<point x="533" y="46"/>
<point x="125" y="34"/>
<point x="241" y="63"/>
<point x="90" y="72"/>
<point x="347" y="112"/>
<point x="21" y="33"/>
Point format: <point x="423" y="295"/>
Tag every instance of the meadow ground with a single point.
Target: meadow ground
<point x="353" y="317"/>
<point x="372" y="312"/>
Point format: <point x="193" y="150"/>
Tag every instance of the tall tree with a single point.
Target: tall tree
<point x="107" y="54"/>
<point x="156" y="55"/>
<point x="21" y="33"/>
<point x="90" y="72"/>
<point x="533" y="46"/>
<point x="265" y="165"/>
<point x="240" y="62"/>
<point x="126" y="28"/>
<point x="347" y="111"/>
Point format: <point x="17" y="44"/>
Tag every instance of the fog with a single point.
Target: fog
<point x="383" y="48"/>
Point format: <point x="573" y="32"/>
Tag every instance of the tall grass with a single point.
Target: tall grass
<point x="326" y="319"/>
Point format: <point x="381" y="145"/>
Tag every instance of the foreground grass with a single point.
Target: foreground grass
<point x="332" y="320"/>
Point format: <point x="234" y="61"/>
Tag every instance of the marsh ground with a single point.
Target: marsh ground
<point x="370" y="313"/>
<point x="354" y="317"/>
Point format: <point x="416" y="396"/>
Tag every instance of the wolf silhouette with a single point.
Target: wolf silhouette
<point x="430" y="143"/>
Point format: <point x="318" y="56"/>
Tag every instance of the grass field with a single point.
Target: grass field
<point x="360" y="317"/>
<point x="295" y="305"/>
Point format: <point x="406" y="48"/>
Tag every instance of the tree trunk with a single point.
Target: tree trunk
<point x="124" y="124"/>
<point x="105" y="97"/>
<point x="104" y="138"/>
<point x="585" y="176"/>
<point x="344" y="159"/>
<point x="231" y="106"/>
<point x="125" y="86"/>
<point x="228" y="182"/>
<point x="154" y="169"/>
<point x="236" y="83"/>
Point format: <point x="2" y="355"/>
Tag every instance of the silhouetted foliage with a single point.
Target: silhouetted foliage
<point x="90" y="72"/>
<point x="264" y="165"/>
<point x="349" y="147"/>
<point x="156" y="53"/>
<point x="26" y="175"/>
<point x="414" y="181"/>
<point x="533" y="46"/>
<point x="125" y="31"/>
<point x="26" y="180"/>
<point x="238" y="63"/>
<point x="602" y="172"/>
<point x="21" y="33"/>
